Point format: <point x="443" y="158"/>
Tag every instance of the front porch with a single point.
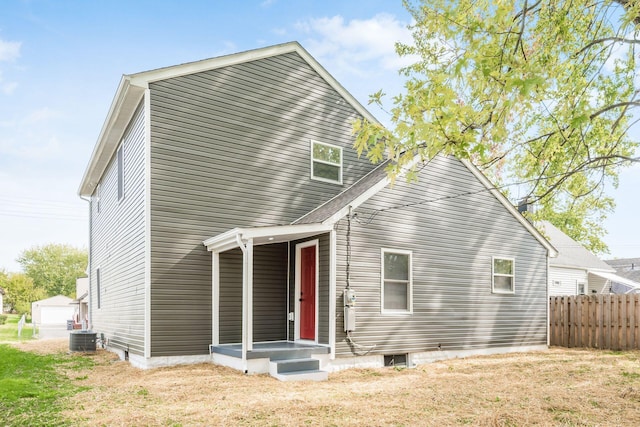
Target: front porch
<point x="284" y="360"/>
<point x="272" y="300"/>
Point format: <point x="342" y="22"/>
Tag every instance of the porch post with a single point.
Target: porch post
<point x="250" y="294"/>
<point x="215" y="298"/>
<point x="247" y="299"/>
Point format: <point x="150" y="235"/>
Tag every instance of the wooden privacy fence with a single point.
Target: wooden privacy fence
<point x="596" y="321"/>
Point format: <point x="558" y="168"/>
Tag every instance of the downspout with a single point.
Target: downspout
<point x="90" y="325"/>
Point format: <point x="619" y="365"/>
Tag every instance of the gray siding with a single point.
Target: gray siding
<point x="117" y="247"/>
<point x="230" y="148"/>
<point x="269" y="294"/>
<point x="452" y="239"/>
<point x="230" y="311"/>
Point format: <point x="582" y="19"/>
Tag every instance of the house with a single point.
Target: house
<point x="81" y="312"/>
<point x="629" y="269"/>
<point x="1" y="300"/>
<point x="229" y="213"/>
<point x="576" y="271"/>
<point x="50" y="316"/>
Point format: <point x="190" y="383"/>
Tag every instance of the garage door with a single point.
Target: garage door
<point x="55" y="315"/>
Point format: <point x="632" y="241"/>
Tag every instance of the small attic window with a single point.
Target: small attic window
<point x="326" y="162"/>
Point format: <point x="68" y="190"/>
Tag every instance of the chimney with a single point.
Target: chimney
<point x="525" y="206"/>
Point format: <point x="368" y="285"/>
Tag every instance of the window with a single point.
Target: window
<point x="120" y="159"/>
<point x="98" y="198"/>
<point x="98" y="287"/>
<point x="396" y="281"/>
<point x="503" y="276"/>
<point x="581" y="288"/>
<point x="557" y="283"/>
<point x="395" y="360"/>
<point x="326" y="162"/>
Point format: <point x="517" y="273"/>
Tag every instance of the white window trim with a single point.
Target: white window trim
<point x="312" y="160"/>
<point x="120" y="151"/>
<point x="556" y="283"/>
<point x="581" y="282"/>
<point x="512" y="275"/>
<point x="410" y="290"/>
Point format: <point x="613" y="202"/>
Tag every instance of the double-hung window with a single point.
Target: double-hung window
<point x="326" y="162"/>
<point x="503" y="275"/>
<point x="396" y="293"/>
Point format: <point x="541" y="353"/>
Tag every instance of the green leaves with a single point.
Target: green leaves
<point x="540" y="93"/>
<point x="54" y="267"/>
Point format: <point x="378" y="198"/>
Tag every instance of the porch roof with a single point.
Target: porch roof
<point x="263" y="235"/>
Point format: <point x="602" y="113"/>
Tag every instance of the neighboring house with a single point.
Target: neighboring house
<point x="576" y="271"/>
<point x="81" y="313"/>
<point x="1" y="300"/>
<point x="629" y="269"/>
<point x="50" y="316"/>
<point x="252" y="154"/>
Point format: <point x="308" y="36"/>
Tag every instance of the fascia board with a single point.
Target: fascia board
<point x="122" y="108"/>
<point x="228" y="240"/>
<point x="553" y="252"/>
<point x="283" y="230"/>
<point x="146" y="77"/>
<point x="132" y="87"/>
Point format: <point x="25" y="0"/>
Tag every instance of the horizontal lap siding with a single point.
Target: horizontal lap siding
<point x="117" y="247"/>
<point x="270" y="293"/>
<point x="452" y="238"/>
<point x="568" y="278"/>
<point x="230" y="148"/>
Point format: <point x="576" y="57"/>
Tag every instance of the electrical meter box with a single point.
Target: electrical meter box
<point x="349" y="310"/>
<point x="349" y="298"/>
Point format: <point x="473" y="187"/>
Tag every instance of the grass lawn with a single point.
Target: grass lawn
<point x="41" y="384"/>
<point x="9" y="331"/>
<point x="34" y="387"/>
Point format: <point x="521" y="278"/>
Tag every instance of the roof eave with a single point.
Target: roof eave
<point x="132" y="88"/>
<point x="122" y="108"/>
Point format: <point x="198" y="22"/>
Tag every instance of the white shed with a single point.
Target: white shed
<point x="52" y="311"/>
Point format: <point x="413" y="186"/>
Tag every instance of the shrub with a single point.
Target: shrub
<point x="3" y="318"/>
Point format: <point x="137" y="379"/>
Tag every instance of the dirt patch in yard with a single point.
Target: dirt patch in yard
<point x="555" y="387"/>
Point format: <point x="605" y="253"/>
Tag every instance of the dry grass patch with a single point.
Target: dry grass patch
<point x="556" y="387"/>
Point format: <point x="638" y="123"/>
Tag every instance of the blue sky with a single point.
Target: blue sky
<point x="61" y="61"/>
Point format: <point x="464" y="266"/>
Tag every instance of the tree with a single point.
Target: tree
<point x="20" y="292"/>
<point x="537" y="93"/>
<point x="54" y="267"/>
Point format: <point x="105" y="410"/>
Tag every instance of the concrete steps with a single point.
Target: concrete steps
<point x="302" y="369"/>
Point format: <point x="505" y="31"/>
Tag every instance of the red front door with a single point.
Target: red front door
<point x="308" y="293"/>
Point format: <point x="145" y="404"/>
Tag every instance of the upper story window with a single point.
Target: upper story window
<point x="503" y="273"/>
<point x="326" y="162"/>
<point x="120" y="160"/>
<point x="396" y="294"/>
